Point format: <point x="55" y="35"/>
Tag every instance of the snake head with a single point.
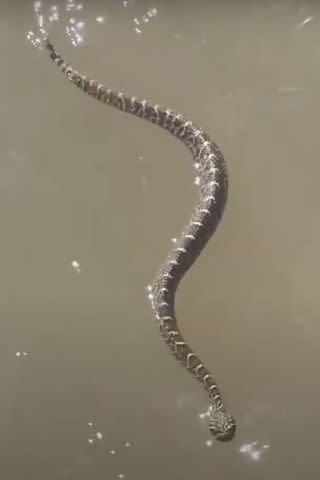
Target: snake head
<point x="222" y="426"/>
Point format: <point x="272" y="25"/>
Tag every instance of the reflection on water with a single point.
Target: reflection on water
<point x="304" y="22"/>
<point x="252" y="450"/>
<point x="96" y="436"/>
<point x="47" y="14"/>
<point x="139" y="22"/>
<point x="76" y="266"/>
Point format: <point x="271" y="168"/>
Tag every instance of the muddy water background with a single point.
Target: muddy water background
<point x="89" y="200"/>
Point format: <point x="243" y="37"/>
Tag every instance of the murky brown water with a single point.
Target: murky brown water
<point x="89" y="200"/>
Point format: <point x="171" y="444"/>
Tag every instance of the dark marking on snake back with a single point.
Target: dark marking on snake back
<point x="213" y="185"/>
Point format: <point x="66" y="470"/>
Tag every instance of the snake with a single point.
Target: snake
<point x="212" y="180"/>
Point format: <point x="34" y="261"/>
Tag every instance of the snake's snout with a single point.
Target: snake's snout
<point x="222" y="426"/>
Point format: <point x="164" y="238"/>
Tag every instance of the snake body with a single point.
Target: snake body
<point x="213" y="185"/>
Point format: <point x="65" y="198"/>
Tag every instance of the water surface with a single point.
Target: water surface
<point x="90" y="199"/>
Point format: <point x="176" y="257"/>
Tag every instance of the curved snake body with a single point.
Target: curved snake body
<point x="213" y="184"/>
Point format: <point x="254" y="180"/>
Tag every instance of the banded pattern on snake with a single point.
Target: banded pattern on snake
<point x="213" y="184"/>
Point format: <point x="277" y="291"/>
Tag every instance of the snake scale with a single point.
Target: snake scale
<point x="212" y="180"/>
